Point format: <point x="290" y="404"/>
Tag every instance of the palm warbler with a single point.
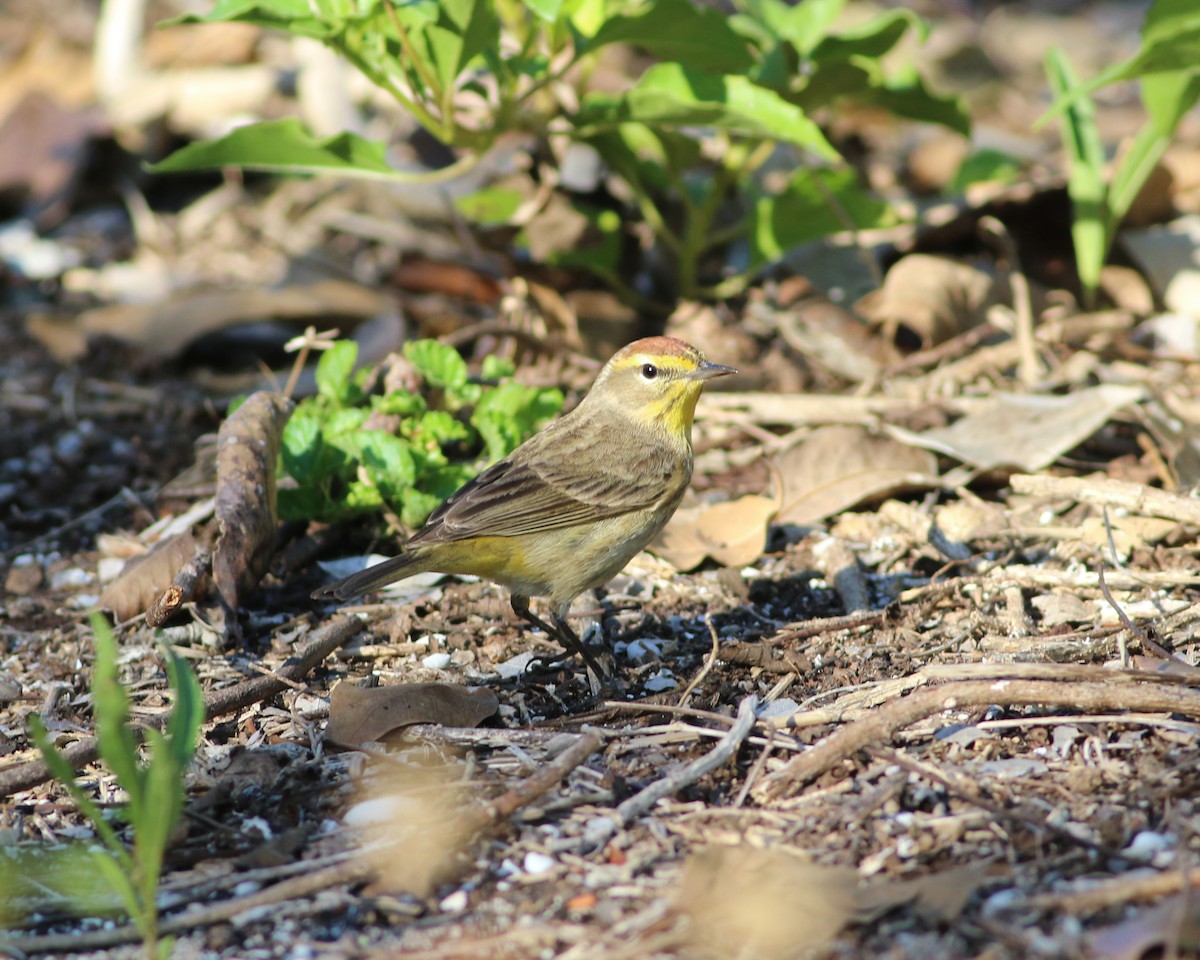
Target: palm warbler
<point x="572" y="505"/>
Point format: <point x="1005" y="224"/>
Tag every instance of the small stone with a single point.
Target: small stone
<point x="436" y="661"/>
<point x="537" y="863"/>
<point x="454" y="903"/>
<point x="24" y="580"/>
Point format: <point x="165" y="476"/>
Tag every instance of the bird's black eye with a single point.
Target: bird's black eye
<point x="649" y="371"/>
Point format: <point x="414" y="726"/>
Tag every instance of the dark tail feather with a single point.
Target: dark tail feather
<point x="397" y="568"/>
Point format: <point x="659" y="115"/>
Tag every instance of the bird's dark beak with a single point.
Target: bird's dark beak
<point x="708" y="371"/>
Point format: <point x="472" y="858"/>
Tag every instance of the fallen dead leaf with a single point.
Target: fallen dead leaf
<point x="360" y="715"/>
<point x="732" y="532"/>
<point x="763" y="904"/>
<point x="939" y="897"/>
<point x="144" y="578"/>
<point x="1026" y="432"/>
<point x="247" y="451"/>
<point x="838" y="467"/>
<point x="933" y="298"/>
<point x="164" y="328"/>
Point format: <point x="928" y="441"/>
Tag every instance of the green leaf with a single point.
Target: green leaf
<point x="294" y="16"/>
<point x="677" y="30"/>
<point x="815" y="204"/>
<point x="870" y="40"/>
<point x="672" y="95"/>
<point x="187" y="712"/>
<point x="388" y="462"/>
<point x="905" y="94"/>
<point x="334" y="371"/>
<point x="546" y="10"/>
<point x="301" y="446"/>
<point x="284" y="146"/>
<point x="804" y="25"/>
<point x="506" y="416"/>
<point x="110" y="707"/>
<point x="439" y="364"/>
<point x="984" y="166"/>
<point x="497" y="368"/>
<point x="1085" y="181"/>
<point x="491" y="206"/>
<point x="437" y="427"/>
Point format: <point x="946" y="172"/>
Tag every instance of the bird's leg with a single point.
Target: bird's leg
<point x="561" y="631"/>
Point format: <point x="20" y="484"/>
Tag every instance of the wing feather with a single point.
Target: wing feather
<point x="532" y="492"/>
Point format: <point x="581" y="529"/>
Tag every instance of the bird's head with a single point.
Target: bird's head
<point x="656" y="381"/>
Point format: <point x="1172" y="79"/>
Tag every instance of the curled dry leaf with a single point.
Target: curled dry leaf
<point x="935" y="298"/>
<point x="247" y="449"/>
<point x="360" y="715"/>
<point x="144" y="578"/>
<point x="732" y="532"/>
<point x="838" y="467"/>
<point x="1026" y="432"/>
<point x="762" y="904"/>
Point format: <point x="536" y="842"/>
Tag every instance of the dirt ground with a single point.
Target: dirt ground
<point x="927" y="689"/>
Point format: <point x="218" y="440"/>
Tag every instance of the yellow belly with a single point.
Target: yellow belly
<point x="560" y="564"/>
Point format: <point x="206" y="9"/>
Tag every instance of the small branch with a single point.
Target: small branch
<point x="881" y="725"/>
<point x="1135" y="497"/>
<point x="725" y="749"/>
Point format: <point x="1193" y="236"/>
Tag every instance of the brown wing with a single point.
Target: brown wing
<point x="530" y="492"/>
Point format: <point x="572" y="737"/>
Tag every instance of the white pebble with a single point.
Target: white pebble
<point x="436" y="661"/>
<point x="537" y="863"/>
<point x="663" y="680"/>
<point x="454" y="903"/>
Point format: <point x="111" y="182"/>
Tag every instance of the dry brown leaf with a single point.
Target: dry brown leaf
<point x="360" y="715"/>
<point x="732" y="532"/>
<point x="164" y="328"/>
<point x="935" y="298"/>
<point x="762" y="904"/>
<point x="939" y="897"/>
<point x="143" y="579"/>
<point x="247" y="449"/>
<point x="1026" y="432"/>
<point x="837" y="467"/>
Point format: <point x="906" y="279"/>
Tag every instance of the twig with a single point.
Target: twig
<point x="218" y="703"/>
<point x="528" y="790"/>
<point x="708" y="663"/>
<point x="725" y="748"/>
<point x="181" y="590"/>
<point x="882" y="724"/>
<point x="1135" y="497"/>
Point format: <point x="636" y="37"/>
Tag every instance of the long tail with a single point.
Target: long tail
<point x="397" y="568"/>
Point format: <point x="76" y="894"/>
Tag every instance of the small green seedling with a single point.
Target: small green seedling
<point x="1167" y="64"/>
<point x="403" y="451"/>
<point x="154" y="786"/>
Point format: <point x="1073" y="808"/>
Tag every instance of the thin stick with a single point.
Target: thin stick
<point x="882" y="724"/>
<point x="725" y="748"/>
<point x="708" y="664"/>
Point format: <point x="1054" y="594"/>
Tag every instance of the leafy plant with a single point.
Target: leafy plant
<point x="350" y="453"/>
<point x="472" y="71"/>
<point x="1167" y="64"/>
<point x="155" y="788"/>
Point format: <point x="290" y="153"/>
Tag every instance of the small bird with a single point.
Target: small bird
<point x="567" y="509"/>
